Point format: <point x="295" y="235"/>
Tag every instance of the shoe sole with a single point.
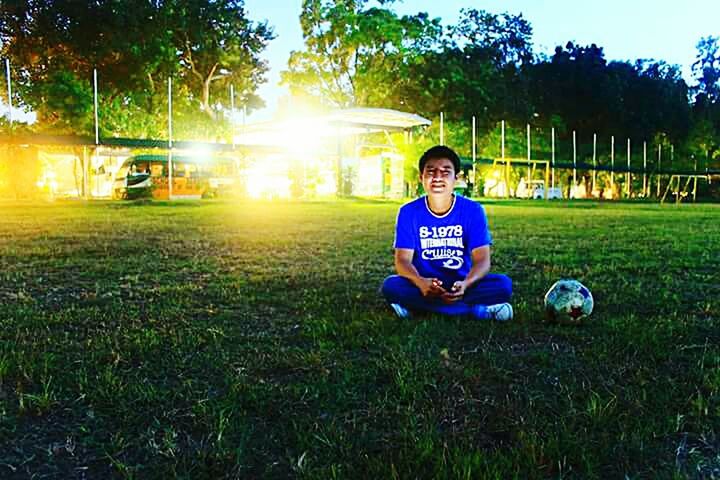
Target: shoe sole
<point x="510" y="317"/>
<point x="400" y="312"/>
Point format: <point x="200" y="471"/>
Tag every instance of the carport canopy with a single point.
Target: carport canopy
<point x="339" y="123"/>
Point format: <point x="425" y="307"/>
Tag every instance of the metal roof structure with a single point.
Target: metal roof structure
<point x="339" y="123"/>
<point x="266" y="136"/>
<point x="378" y="119"/>
<point x="118" y="142"/>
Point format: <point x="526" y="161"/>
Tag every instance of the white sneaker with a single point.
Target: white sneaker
<point x="501" y="312"/>
<point x="400" y="311"/>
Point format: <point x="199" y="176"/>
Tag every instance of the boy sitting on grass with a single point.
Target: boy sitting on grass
<point x="442" y="250"/>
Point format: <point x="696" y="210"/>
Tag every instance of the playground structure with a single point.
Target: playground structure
<point x="681" y="192"/>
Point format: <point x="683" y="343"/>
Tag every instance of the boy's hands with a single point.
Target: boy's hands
<point x="431" y="287"/>
<point x="456" y="292"/>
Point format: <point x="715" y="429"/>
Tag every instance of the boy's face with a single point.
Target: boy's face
<point x="438" y="177"/>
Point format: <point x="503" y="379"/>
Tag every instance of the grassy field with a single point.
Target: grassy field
<point x="221" y="340"/>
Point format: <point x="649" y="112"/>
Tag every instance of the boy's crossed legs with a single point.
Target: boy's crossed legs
<point x="486" y="299"/>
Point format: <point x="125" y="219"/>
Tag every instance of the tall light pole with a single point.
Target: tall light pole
<point x="474" y="154"/>
<point x="594" y="175"/>
<point x="507" y="164"/>
<point x="442" y="128"/>
<point x="170" y="141"/>
<point x="528" y="151"/>
<point x="646" y="191"/>
<point x="232" y="114"/>
<point x="552" y="157"/>
<point x="612" y="166"/>
<point x="628" y="178"/>
<point x="657" y="194"/>
<point x="9" y="91"/>
<point x="574" y="185"/>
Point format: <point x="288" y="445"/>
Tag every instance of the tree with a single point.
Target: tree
<point x="704" y="137"/>
<point x="475" y="71"/>
<point x="617" y="98"/>
<point x="218" y="46"/>
<point x="355" y="55"/>
<point x="707" y="69"/>
<point x="575" y="84"/>
<point x="136" y="46"/>
<point x="54" y="46"/>
<point x="505" y="39"/>
<point x="656" y="101"/>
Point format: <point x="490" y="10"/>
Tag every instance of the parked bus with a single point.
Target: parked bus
<point x="193" y="178"/>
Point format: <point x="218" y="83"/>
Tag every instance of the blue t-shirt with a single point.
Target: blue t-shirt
<point x="442" y="243"/>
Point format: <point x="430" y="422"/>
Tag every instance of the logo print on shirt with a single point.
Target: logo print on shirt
<point x="443" y="243"/>
<point x="454" y="263"/>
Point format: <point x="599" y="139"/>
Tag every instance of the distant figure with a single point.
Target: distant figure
<point x="521" y="190"/>
<point x="569" y="186"/>
<point x="582" y="189"/>
<point x="588" y="185"/>
<point x="460" y="184"/>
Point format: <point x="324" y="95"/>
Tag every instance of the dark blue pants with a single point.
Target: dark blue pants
<point x="493" y="288"/>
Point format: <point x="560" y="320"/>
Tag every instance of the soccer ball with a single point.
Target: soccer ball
<point x="568" y="301"/>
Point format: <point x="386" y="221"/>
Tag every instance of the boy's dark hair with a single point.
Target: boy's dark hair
<point x="440" y="151"/>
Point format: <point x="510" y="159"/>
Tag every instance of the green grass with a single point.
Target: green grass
<point x="221" y="340"/>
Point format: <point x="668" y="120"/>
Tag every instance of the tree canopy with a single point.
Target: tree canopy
<point x="357" y="55"/>
<point x="136" y="45"/>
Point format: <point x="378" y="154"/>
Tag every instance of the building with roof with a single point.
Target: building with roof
<point x="347" y="152"/>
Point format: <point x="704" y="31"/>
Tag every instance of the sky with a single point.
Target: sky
<point x="627" y="29"/>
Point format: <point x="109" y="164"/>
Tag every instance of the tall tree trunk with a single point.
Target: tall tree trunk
<point x="206" y="91"/>
<point x="206" y="96"/>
